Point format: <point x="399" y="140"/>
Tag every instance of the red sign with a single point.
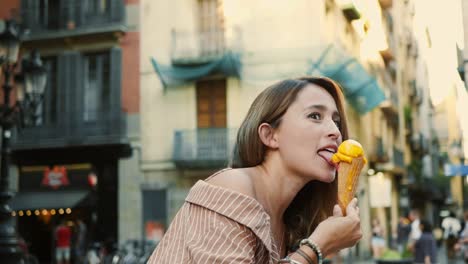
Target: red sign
<point x="55" y="177"/>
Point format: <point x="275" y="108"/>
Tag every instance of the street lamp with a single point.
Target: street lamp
<point x="30" y="85"/>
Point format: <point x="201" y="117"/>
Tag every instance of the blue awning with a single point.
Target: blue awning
<point x="361" y="89"/>
<point x="228" y="64"/>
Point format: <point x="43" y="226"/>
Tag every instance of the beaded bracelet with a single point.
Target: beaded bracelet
<point x="314" y="247"/>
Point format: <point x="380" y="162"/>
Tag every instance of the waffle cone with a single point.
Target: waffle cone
<point x="348" y="176"/>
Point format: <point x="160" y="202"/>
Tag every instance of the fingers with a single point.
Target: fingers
<point x="337" y="210"/>
<point x="352" y="207"/>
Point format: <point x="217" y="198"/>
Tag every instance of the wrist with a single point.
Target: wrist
<point x="324" y="247"/>
<point x="306" y="250"/>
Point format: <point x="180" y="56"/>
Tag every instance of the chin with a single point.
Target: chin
<point x="330" y="179"/>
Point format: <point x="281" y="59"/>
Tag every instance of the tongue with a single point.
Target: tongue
<point x="326" y="154"/>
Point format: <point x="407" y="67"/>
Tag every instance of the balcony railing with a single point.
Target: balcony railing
<point x="203" y="148"/>
<point x="379" y="154"/>
<point x="189" y="47"/>
<point x="72" y="130"/>
<point x="62" y="18"/>
<point x="384" y="161"/>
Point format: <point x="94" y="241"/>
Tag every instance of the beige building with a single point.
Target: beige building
<point x="203" y="62"/>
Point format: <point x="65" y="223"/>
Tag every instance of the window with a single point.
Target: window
<point x="94" y="8"/>
<point x="211" y="26"/>
<point x="49" y="107"/>
<point x="96" y="86"/>
<point x="47" y="13"/>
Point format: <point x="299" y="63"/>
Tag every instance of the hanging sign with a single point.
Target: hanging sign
<point x="55" y="177"/>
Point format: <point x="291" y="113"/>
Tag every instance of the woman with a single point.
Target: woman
<point x="278" y="202"/>
<point x="425" y="249"/>
<point x="377" y="242"/>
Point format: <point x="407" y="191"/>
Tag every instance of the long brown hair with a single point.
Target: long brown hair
<point x="315" y="201"/>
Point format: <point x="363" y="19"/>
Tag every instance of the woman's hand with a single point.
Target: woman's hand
<point x="338" y="231"/>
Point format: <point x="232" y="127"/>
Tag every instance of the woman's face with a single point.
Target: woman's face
<point x="308" y="134"/>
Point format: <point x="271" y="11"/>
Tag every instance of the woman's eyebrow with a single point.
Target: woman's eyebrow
<point x="322" y="108"/>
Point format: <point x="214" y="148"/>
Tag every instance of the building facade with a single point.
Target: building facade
<point x="79" y="159"/>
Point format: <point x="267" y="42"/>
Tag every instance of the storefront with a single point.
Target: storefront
<point x="48" y="194"/>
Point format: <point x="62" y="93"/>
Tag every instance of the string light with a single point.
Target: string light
<point x="52" y="212"/>
<point x="44" y="212"/>
<point x="60" y="211"/>
<point x="13" y="213"/>
<point x="28" y="213"/>
<point x="36" y="212"/>
<point x="20" y="213"/>
<point x="68" y="211"/>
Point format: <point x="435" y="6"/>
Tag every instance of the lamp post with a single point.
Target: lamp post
<point x="30" y="84"/>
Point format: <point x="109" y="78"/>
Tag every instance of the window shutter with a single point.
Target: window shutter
<point x="117" y="10"/>
<point x="28" y="13"/>
<point x="115" y="81"/>
<point x="69" y="82"/>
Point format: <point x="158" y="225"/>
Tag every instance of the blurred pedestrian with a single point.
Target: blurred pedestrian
<point x="451" y="226"/>
<point x="463" y="239"/>
<point x="378" y="241"/>
<point x="80" y="241"/>
<point x="403" y="232"/>
<point x="62" y="237"/>
<point x="279" y="199"/>
<point x="415" y="233"/>
<point x="425" y="249"/>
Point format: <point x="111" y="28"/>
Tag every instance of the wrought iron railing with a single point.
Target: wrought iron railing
<point x="46" y="16"/>
<point x="204" y="147"/>
<point x="199" y="47"/>
<point x="71" y="129"/>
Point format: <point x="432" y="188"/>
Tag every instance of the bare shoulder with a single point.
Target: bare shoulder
<point x="236" y="179"/>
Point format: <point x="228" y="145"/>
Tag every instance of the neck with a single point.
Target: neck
<point x="276" y="187"/>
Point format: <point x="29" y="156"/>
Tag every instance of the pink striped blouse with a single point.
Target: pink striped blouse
<point x="217" y="225"/>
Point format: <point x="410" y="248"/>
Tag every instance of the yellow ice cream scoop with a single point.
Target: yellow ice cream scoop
<point x="348" y="150"/>
<point x="352" y="154"/>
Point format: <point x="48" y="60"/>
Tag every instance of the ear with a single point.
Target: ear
<point x="267" y="135"/>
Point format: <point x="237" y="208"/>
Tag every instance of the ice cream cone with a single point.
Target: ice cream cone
<point x="350" y="159"/>
<point x="348" y="178"/>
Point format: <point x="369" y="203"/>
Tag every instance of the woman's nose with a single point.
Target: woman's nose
<point x="333" y="130"/>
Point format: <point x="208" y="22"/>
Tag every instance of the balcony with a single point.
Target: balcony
<point x="415" y="94"/>
<point x="379" y="154"/>
<point x="107" y="128"/>
<point x="56" y="19"/>
<point x="398" y="158"/>
<point x="387" y="159"/>
<point x="390" y="106"/>
<point x="191" y="48"/>
<point x="203" y="148"/>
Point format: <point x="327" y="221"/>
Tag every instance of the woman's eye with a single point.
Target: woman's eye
<point x="314" y="116"/>
<point x="337" y="123"/>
